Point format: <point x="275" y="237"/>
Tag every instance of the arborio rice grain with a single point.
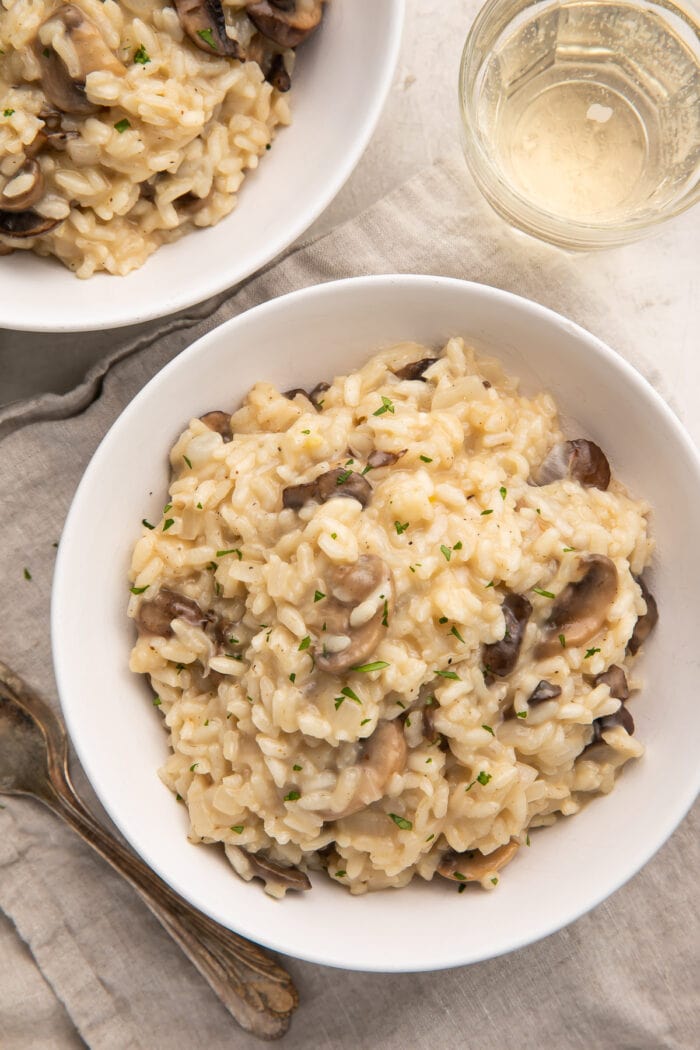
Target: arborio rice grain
<point x="330" y="608"/>
<point x="168" y="130"/>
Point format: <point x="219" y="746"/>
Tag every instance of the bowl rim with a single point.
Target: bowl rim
<point x="62" y="588"/>
<point x="180" y="298"/>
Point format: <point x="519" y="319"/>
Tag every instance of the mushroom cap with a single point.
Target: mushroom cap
<point x="220" y="422"/>
<point x="287" y="22"/>
<point x="330" y="485"/>
<point x="500" y="657"/>
<point x="616" y="681"/>
<point x="473" y="865"/>
<point x="580" y="459"/>
<point x="30" y="180"/>
<point x="27" y="223"/>
<point x="416" y="369"/>
<point x="155" y="615"/>
<point x="367" y="582"/>
<point x="384" y="754"/>
<point x="64" y="88"/>
<point x="646" y="622"/>
<point x="579" y="612"/>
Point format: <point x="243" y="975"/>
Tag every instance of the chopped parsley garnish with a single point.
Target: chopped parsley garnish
<point x="488" y="730"/>
<point x="459" y="876"/>
<point x="366" y="469"/>
<point x="292" y="796"/>
<point x="562" y="641"/>
<point x="378" y="665"/>
<point x="408" y="722"/>
<point x="7" y="112"/>
<point x="231" y="550"/>
<point x="446" y="551"/>
<point x="443" y="619"/>
<point x="430" y="838"/>
<point x="591" y="652"/>
<point x="387" y="406"/>
<point x="343" y="477"/>
<point x="46" y="52"/>
<point x="147" y="524"/>
<point x="527" y="840"/>
<point x="542" y="593"/>
<point x="167" y="523"/>
<point x="319" y="596"/>
<point x="567" y="550"/>
<point x="401" y="822"/>
<point x="193" y="766"/>
<point x="521" y="714"/>
<point x="365" y="721"/>
<point x="122" y="125"/>
<point x="157" y="701"/>
<point x="338" y="701"/>
<point x="347" y="691"/>
<point x="385" y="615"/>
<point x="27" y="574"/>
<point x="292" y="678"/>
<point x="208" y="37"/>
<point x="141" y="56"/>
<point x="494" y="880"/>
<point x="487" y="585"/>
<point x="296" y="767"/>
<point x="334" y="535"/>
<point x="462" y="887"/>
<point x="503" y="491"/>
<point x="206" y="722"/>
<point x="238" y="828"/>
<point x="306" y="431"/>
<point x="401" y="704"/>
<point x="167" y="507"/>
<point x="304" y="644"/>
<point x="457" y="546"/>
<point x="485" y="512"/>
<point x="340" y="874"/>
<point x="426" y="459"/>
<point x="457" y="635"/>
<point x="178" y="798"/>
<point x="449" y="674"/>
<point x="138" y="590"/>
<point x="400" y="528"/>
<point x="188" y="461"/>
<point x="179" y="668"/>
<point x="200" y="507"/>
<point x="482" y="778"/>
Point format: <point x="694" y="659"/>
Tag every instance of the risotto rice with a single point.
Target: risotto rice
<point x="390" y="623"/>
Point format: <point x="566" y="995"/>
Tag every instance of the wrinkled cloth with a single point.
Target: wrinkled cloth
<point x="83" y="960"/>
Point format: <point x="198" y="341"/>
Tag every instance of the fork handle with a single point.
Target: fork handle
<point x="253" y="987"/>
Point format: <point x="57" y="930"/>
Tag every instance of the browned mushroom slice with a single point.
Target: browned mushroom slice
<point x="64" y="87"/>
<point x="474" y="866"/>
<point x="315" y="397"/>
<point x="23" y="189"/>
<point x="287" y="22"/>
<point x="582" y="608"/>
<point x="378" y="459"/>
<point x="500" y="658"/>
<point x="616" y="681"/>
<point x="357" y="614"/>
<point x="204" y="23"/>
<point x="271" y="872"/>
<point x="28" y="223"/>
<point x="220" y="422"/>
<point x="580" y="459"/>
<point x="543" y="691"/>
<point x="646" y="623"/>
<point x="621" y="717"/>
<point x="332" y="484"/>
<point x="5" y="249"/>
<point x="278" y="75"/>
<point x="155" y="616"/>
<point x="416" y="369"/>
<point x="384" y="754"/>
<point x="294" y="392"/>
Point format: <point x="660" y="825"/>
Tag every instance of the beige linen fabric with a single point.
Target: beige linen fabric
<point x="104" y="974"/>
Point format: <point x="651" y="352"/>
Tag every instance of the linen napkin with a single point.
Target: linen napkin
<point x="82" y="960"/>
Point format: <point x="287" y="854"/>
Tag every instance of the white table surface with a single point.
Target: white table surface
<point x="419" y="125"/>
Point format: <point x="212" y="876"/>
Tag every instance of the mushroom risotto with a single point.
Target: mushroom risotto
<point x="390" y="623"/>
<point x="124" y="125"/>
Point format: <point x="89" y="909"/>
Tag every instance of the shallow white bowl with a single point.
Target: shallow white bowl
<point x="341" y="80"/>
<point x="295" y="341"/>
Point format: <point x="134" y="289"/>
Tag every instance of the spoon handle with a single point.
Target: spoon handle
<point x="250" y="983"/>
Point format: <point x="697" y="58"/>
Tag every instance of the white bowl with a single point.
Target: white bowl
<point x="341" y="80"/>
<point x="295" y="341"/>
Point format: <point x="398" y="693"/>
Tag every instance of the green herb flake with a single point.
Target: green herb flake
<point x="147" y="524"/>
<point x="590" y="652"/>
<point x="292" y="796"/>
<point x="167" y="523"/>
<point x="443" y="619"/>
<point x="206" y="722"/>
<point x="446" y="551"/>
<point x="449" y="674"/>
<point x="527" y="840"/>
<point x="250" y="700"/>
<point x="488" y="730"/>
<point x="179" y="798"/>
<point x="430" y="838"/>
<point x="459" y="876"/>
<point x="343" y="477"/>
<point x="231" y="550"/>
<point x="306" y="431"/>
<point x="543" y="593"/>
<point x="494" y="880"/>
<point x="200" y="507"/>
<point x="457" y="635"/>
<point x="562" y="641"/>
<point x="188" y="461"/>
<point x="157" y="701"/>
<point x="426" y="459"/>
<point x="27" y="574"/>
<point x="462" y="887"/>
<point x="401" y="822"/>
<point x="568" y="550"/>
<point x="208" y="37"/>
<point x="538" y="511"/>
<point x="238" y="828"/>
<point x="400" y="528"/>
<point x="167" y="507"/>
<point x="503" y="491"/>
<point x="7" y="112"/>
<point x="122" y="125"/>
<point x="365" y="721"/>
<point x="366" y="470"/>
<point x="304" y="644"/>
<point x="193" y="766"/>
<point x="378" y="665"/>
<point x="483" y="777"/>
<point x="457" y="546"/>
<point x="347" y="691"/>
<point x="521" y="714"/>
<point x="46" y="52"/>
<point x="292" y="678"/>
<point x="340" y="874"/>
<point x="319" y="596"/>
<point x="296" y="768"/>
<point x="141" y="56"/>
<point x="138" y="590"/>
<point x="485" y="512"/>
<point x="179" y="668"/>
<point x="487" y="585"/>
<point x="339" y="700"/>
<point x="387" y="406"/>
<point x="334" y="535"/>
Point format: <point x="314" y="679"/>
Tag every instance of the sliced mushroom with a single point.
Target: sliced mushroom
<point x="580" y="459"/>
<point x="63" y="81"/>
<point x="378" y="459"/>
<point x="474" y="866"/>
<point x="416" y="369"/>
<point x="334" y="483"/>
<point x="297" y="390"/>
<point x="543" y="691"/>
<point x="646" y="623"/>
<point x="23" y="189"/>
<point x="155" y="615"/>
<point x="430" y="733"/>
<point x="315" y="396"/>
<point x="287" y="22"/>
<point x="204" y="23"/>
<point x="272" y="63"/>
<point x="616" y="681"/>
<point x="220" y="422"/>
<point x="362" y="597"/>
<point x="383" y="754"/>
<point x="581" y="609"/>
<point x="28" y="223"/>
<point x="621" y="717"/>
<point x="278" y="878"/>
<point x="500" y="658"/>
